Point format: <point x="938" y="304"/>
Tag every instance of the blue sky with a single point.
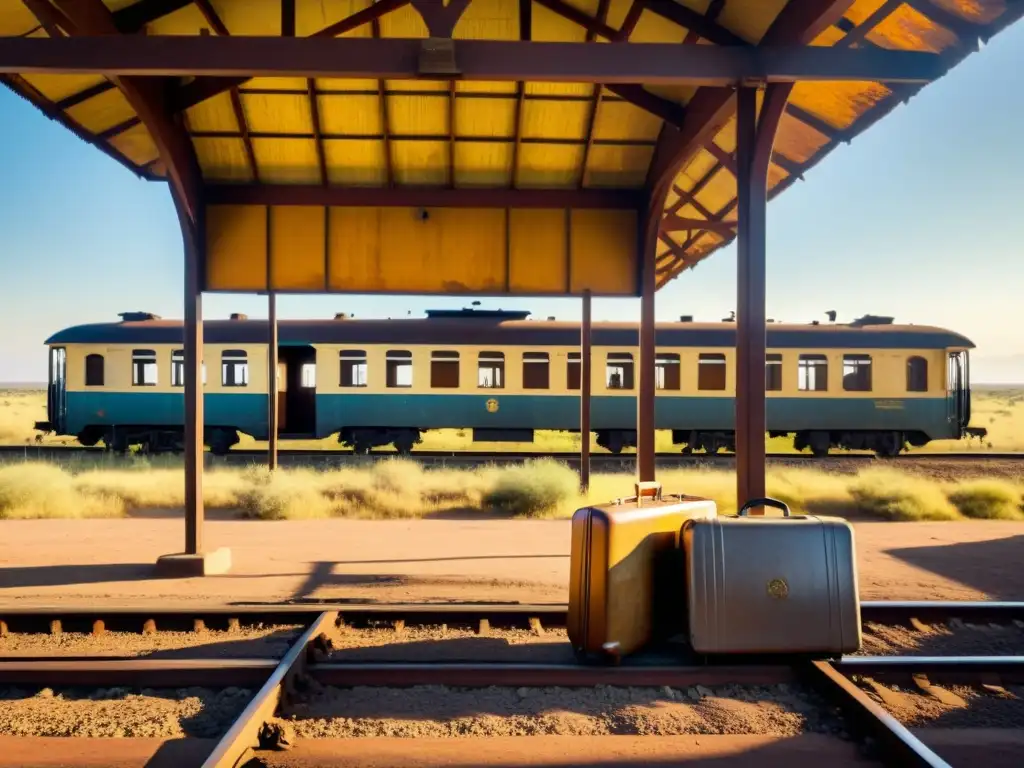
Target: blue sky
<point x="918" y="218"/>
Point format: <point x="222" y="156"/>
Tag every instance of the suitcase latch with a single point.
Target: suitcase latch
<point x="650" y="489"/>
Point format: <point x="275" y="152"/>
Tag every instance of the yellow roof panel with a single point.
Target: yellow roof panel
<point x="356" y="162"/>
<point x="483" y="164"/>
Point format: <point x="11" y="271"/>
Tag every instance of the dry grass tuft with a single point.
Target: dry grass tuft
<point x="283" y="495"/>
<point x="535" y="488"/>
<point x="34" y="490"/>
<point x="896" y="496"/>
<point x="988" y="499"/>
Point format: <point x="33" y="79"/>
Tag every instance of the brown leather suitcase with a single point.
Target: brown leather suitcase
<point x="625" y="585"/>
<point x="772" y="584"/>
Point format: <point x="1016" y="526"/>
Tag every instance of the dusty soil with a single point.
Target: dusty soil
<point x="246" y="642"/>
<point x="951" y="706"/>
<point x="81" y="562"/>
<point x="441" y="711"/>
<point x="120" y="712"/>
<point x="955" y="639"/>
<point x="84" y="752"/>
<point x="570" y="752"/>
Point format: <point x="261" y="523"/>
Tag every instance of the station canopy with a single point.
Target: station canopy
<point x="434" y="184"/>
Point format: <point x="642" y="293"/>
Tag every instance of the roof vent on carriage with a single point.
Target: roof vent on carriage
<point x="686" y="318"/>
<point x="477" y="314"/>
<point x="137" y="317"/>
<point x="872" y="320"/>
<point x="342" y="315"/>
<point x="239" y="316"/>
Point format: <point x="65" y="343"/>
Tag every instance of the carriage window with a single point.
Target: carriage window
<point x="857" y="373"/>
<point x="711" y="371"/>
<point x="812" y="373"/>
<point x="573" y="371"/>
<point x="773" y="373"/>
<point x="619" y="370"/>
<point x="535" y="370"/>
<point x="234" y="368"/>
<point x="917" y="374"/>
<point x="666" y="371"/>
<point x="399" y="368"/>
<point x="143" y="368"/>
<point x="308" y="375"/>
<point x="491" y="370"/>
<point x="444" y="370"/>
<point x="94" y="370"/>
<point x="178" y="368"/>
<point x="353" y="367"/>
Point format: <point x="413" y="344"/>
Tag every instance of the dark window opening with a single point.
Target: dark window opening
<point x="444" y="370"/>
<point x="398" y="364"/>
<point x="353" y="368"/>
<point x="536" y="373"/>
<point x="94" y="370"/>
<point x="773" y="373"/>
<point x="178" y="369"/>
<point x="812" y="373"/>
<point x="491" y="370"/>
<point x="857" y="373"/>
<point x="711" y="371"/>
<point x="573" y="371"/>
<point x="667" y="371"/>
<point x="234" y="368"/>
<point x="143" y="368"/>
<point x="619" y="370"/>
<point x="917" y="374"/>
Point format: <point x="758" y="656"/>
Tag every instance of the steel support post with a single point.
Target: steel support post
<point x="645" y="399"/>
<point x="272" y="385"/>
<point x="585" y="386"/>
<point x="193" y="373"/>
<point x="750" y="301"/>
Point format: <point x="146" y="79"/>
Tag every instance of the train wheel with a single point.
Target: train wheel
<point x="361" y="448"/>
<point x="404" y="445"/>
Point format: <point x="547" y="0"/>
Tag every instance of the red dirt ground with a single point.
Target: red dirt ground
<point x="46" y="562"/>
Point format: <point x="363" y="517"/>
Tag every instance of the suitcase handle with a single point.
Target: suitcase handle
<point x="775" y="503"/>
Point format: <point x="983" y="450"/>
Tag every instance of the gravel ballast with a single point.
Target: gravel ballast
<point x="120" y="712"/>
<point x="442" y="711"/>
<point x="262" y="642"/>
<point x="951" y="706"/>
<point x="440" y="643"/>
<point x="953" y="639"/>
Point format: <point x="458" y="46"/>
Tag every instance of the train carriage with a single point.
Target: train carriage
<point x="870" y="384"/>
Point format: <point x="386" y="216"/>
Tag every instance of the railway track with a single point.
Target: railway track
<point x="305" y="457"/>
<point x="307" y="664"/>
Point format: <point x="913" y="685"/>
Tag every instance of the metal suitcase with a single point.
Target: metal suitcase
<point x="771" y="584"/>
<point x="625" y="585"/>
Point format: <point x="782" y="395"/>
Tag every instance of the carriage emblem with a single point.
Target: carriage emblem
<point x="492" y="406"/>
<point x="778" y="588"/>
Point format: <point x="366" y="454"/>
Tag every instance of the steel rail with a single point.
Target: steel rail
<point x="899" y="746"/>
<point x="137" y="673"/>
<point x="243" y="734"/>
<point x="951" y="669"/>
<point x="980" y="611"/>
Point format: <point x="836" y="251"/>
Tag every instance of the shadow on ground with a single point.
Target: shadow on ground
<point x="992" y="567"/>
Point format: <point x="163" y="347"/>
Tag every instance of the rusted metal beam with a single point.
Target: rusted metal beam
<point x="585" y="388"/>
<point x="243" y="734"/>
<point x="674" y="223"/>
<point x="441" y="16"/>
<point x="288" y="18"/>
<point x="243" y="127"/>
<point x="212" y="18"/>
<point x="82" y="96"/>
<point x="314" y="110"/>
<point x="52" y="20"/>
<point x="594" y="26"/>
<point x="272" y="366"/>
<point x="371" y="13"/>
<point x="646" y="364"/>
<point x="968" y="32"/>
<point x="385" y="119"/>
<point x="862" y="30"/>
<point x="139" y="673"/>
<point x="595" y="102"/>
<point x="525" y="35"/>
<point x="639" y="96"/>
<point x="421" y="197"/>
<point x="702" y="25"/>
<point x="506" y="60"/>
<point x="451" y="133"/>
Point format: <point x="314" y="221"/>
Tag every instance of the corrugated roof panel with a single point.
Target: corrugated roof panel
<point x="615" y="165"/>
<point x="617" y="11"/>
<point x="828" y="36"/>
<point x="797" y="140"/>
<point x="214" y="114"/>
<point x="416" y="85"/>
<point x="485" y="117"/>
<point x="346" y="84"/>
<point x="776" y="175"/>
<point x="57" y="87"/>
<point x="977" y="11"/>
<point x="695" y="170"/>
<point x="549" y="165"/>
<point x="583" y="90"/>
<point x="277" y="113"/>
<point x="16" y="19"/>
<point x="350" y="115"/>
<point x="313" y="15"/>
<point x="718" y="192"/>
<point x="859" y="11"/>
<point x="222" y="159"/>
<point x="104" y="111"/>
<point x="417" y="115"/>
<point x="486" y="86"/>
<point x="286" y="161"/>
<point x="284" y="84"/>
<point x="555" y="120"/>
<point x="404" y="22"/>
<point x="251" y="18"/>
<point x="494" y="20"/>
<point x="653" y="28"/>
<point x="838" y="104"/>
<point x="678" y="94"/>
<point x="136" y="144"/>
<point x="622" y="120"/>
<point x="725" y="138"/>
<point x="185" y="21"/>
<point x="356" y="162"/>
<point x="907" y="29"/>
<point x="420" y="162"/>
<point x="483" y="164"/>
<point x="550" y="27"/>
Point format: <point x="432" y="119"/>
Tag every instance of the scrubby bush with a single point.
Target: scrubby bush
<point x="35" y="490"/>
<point x="988" y="499"/>
<point x="532" y="489"/>
<point x="284" y="495"/>
<point x="896" y="496"/>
